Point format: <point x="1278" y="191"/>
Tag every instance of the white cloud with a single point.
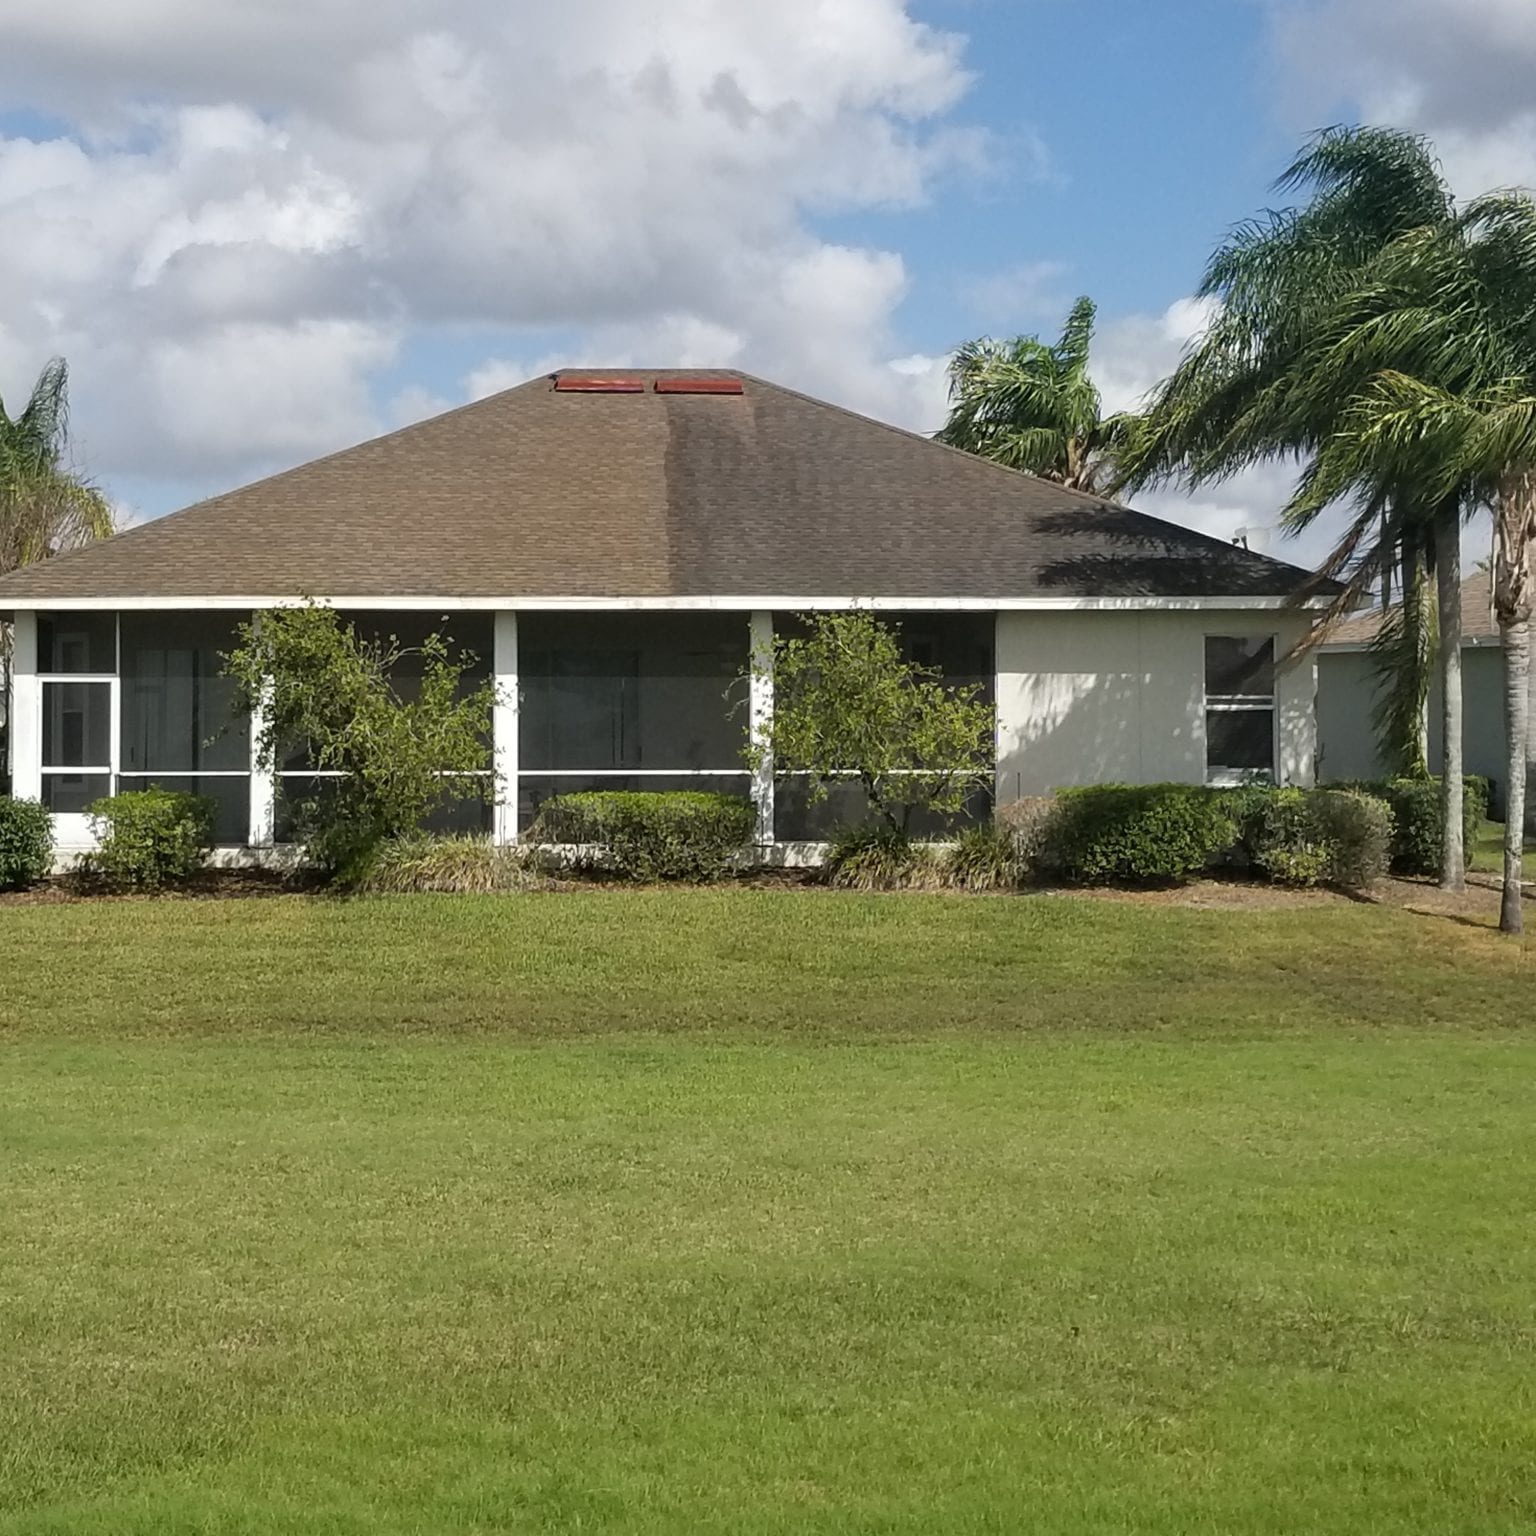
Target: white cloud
<point x="256" y="206"/>
<point x="1459" y="70"/>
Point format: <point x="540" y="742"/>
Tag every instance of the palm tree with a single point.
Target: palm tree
<point x="1446" y="317"/>
<point x="1033" y="407"/>
<point x="1253" y="390"/>
<point x="45" y="506"/>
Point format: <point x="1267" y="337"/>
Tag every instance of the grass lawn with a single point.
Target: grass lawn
<point x="1488" y="851"/>
<point x="751" y="1212"/>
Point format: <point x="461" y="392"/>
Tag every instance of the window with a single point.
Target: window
<point x="1239" y="709"/>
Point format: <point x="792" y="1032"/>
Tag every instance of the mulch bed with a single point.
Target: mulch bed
<point x="1480" y="900"/>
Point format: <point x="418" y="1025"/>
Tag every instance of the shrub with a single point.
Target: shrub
<point x="1358" y="829"/>
<point x="26" y="843"/>
<point x="458" y="864"/>
<point x="1034" y="826"/>
<point x="1282" y="838"/>
<point x="638" y="835"/>
<point x="848" y="706"/>
<point x="1316" y="836"/>
<point x="986" y="858"/>
<point x="149" y="838"/>
<point x="1417" y="822"/>
<point x="316" y="684"/>
<point x="1140" y="832"/>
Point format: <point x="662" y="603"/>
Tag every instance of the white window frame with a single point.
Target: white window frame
<point x="1241" y="703"/>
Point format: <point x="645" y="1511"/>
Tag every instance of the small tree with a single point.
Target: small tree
<point x="317" y="686"/>
<point x="848" y="704"/>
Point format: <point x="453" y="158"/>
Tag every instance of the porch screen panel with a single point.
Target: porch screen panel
<point x="178" y="713"/>
<point x="470" y="639"/>
<point x="642" y="701"/>
<point x="645" y="691"/>
<point x="960" y="646"/>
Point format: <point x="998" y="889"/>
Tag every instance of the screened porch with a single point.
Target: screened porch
<point x="107" y="701"/>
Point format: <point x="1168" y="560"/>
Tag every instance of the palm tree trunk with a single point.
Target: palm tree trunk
<point x="1514" y="536"/>
<point x="1416" y="619"/>
<point x="1517" y="684"/>
<point x="1453" y="852"/>
<point x="1530" y="754"/>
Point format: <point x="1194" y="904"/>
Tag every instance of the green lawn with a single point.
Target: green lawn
<point x="1488" y="851"/>
<point x="755" y="1212"/>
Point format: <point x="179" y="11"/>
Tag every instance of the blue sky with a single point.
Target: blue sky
<point x="260" y="233"/>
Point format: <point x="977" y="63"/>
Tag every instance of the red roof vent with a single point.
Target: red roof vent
<point x="676" y="385"/>
<point x="597" y="384"/>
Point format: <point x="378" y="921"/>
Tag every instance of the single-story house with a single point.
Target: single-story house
<point x="612" y="547"/>
<point x="1347" y="688"/>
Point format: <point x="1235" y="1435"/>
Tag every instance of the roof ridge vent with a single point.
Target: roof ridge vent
<point x="597" y="384"/>
<point x="687" y="384"/>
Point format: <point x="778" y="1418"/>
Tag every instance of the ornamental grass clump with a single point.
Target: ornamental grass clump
<point x="881" y="858"/>
<point x="445" y="865"/>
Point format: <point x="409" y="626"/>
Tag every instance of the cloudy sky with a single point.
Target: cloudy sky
<point x="263" y="229"/>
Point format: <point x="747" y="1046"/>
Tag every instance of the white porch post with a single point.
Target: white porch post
<point x="760" y="718"/>
<point x="504" y="726"/>
<point x="263" y="832"/>
<point x="26" y="710"/>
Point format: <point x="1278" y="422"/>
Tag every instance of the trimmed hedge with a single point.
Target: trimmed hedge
<point x="1310" y="837"/>
<point x="1418" y="824"/>
<point x="148" y="839"/>
<point x="660" y="835"/>
<point x="1138" y="833"/>
<point x="1420" y="831"/>
<point x="26" y="843"/>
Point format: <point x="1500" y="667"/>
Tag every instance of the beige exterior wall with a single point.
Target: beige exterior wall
<point x="1119" y="697"/>
<point x="1347" y="690"/>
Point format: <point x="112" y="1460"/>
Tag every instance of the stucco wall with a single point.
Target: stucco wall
<point x="1346" y="695"/>
<point x="1085" y="698"/>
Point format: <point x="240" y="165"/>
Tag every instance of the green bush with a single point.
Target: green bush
<point x="638" y="835"/>
<point x="1359" y="830"/>
<point x="26" y="843"/>
<point x="1283" y="839"/>
<point x="457" y="864"/>
<point x="1310" y="837"/>
<point x="394" y="757"/>
<point x="1417" y="821"/>
<point x="149" y="838"/>
<point x="1140" y="832"/>
<point x="987" y="857"/>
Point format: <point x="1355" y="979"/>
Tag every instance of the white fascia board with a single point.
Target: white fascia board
<point x="1359" y="647"/>
<point x="774" y="604"/>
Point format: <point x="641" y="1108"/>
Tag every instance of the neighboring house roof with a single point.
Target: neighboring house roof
<point x="1478" y="626"/>
<point x="667" y="491"/>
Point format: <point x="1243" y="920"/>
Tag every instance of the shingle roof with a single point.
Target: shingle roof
<point x="542" y="493"/>
<point x="1478" y="624"/>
